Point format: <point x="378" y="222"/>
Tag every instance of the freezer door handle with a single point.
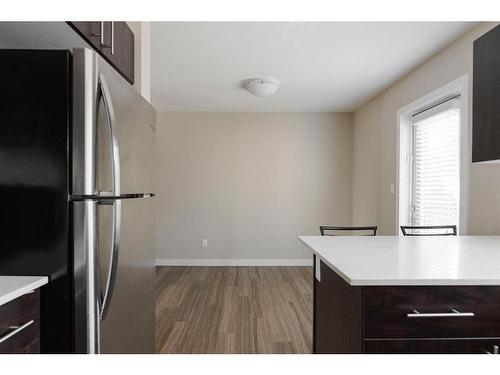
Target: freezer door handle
<point x="110" y="113"/>
<point x="115" y="169"/>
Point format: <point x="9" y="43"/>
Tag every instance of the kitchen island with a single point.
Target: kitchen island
<point x="391" y="294"/>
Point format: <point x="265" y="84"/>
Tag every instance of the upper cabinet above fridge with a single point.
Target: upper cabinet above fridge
<point x="486" y="102"/>
<point x="112" y="40"/>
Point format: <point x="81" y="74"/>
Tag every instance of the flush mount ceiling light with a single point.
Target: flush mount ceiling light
<point x="262" y="86"/>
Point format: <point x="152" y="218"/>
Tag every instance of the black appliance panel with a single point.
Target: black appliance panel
<point x="35" y="175"/>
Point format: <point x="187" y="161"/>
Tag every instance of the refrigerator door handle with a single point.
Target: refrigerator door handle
<point x="113" y="265"/>
<point x="115" y="240"/>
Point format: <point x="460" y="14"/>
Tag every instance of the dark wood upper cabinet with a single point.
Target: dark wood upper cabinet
<point x="88" y="31"/>
<point x="122" y="56"/>
<point x="116" y="44"/>
<point x="486" y="101"/>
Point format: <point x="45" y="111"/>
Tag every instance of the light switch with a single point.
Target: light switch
<point x="392" y="189"/>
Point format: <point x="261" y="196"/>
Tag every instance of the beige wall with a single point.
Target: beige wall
<point x="250" y="182"/>
<point x="374" y="150"/>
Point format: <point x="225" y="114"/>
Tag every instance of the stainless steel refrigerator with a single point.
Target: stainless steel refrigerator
<point x="82" y="151"/>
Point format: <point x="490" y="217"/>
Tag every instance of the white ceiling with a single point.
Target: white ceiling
<point x="323" y="66"/>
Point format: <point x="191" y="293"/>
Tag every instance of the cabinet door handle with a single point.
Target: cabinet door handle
<point x="112" y="46"/>
<point x="452" y="314"/>
<point x="101" y="35"/>
<point x="15" y="331"/>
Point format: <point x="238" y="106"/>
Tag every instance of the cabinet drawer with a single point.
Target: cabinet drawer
<point x="20" y="325"/>
<point x="430" y="346"/>
<point x="391" y="312"/>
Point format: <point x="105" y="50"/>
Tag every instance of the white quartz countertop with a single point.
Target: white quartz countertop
<point x="395" y="260"/>
<point x="12" y="287"/>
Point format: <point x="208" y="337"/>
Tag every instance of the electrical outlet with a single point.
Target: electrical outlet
<point x="204" y="242"/>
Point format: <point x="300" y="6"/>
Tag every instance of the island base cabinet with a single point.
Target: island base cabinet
<point x="403" y="319"/>
<point x="337" y="318"/>
<point x="430" y="346"/>
<point x="20" y="325"/>
<point x="413" y="311"/>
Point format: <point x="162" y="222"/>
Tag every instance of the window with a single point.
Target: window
<point x="435" y="174"/>
<point x="433" y="158"/>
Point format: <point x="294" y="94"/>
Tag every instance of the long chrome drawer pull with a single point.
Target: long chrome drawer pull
<point x="453" y="314"/>
<point x="16" y="330"/>
<point x="495" y="350"/>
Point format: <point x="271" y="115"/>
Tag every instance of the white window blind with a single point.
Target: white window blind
<point x="436" y="166"/>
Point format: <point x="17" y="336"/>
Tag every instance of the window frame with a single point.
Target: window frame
<point x="405" y="150"/>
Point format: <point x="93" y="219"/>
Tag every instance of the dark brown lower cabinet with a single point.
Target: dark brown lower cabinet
<point x="338" y="315"/>
<point x="432" y="346"/>
<point x="20" y="325"/>
<point x="402" y="319"/>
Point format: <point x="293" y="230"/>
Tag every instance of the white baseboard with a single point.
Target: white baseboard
<point x="233" y="262"/>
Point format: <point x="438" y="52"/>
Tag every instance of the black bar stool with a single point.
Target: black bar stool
<point x="327" y="230"/>
<point x="443" y="230"/>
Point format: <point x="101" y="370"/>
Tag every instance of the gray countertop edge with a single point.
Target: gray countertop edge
<point x="22" y="285"/>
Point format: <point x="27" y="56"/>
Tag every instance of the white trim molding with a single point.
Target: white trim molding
<point x="458" y="86"/>
<point x="234" y="262"/>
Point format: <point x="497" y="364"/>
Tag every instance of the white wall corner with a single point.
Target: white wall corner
<point x="146" y="60"/>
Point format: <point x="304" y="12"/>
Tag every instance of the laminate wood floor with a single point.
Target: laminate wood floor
<point x="233" y="310"/>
